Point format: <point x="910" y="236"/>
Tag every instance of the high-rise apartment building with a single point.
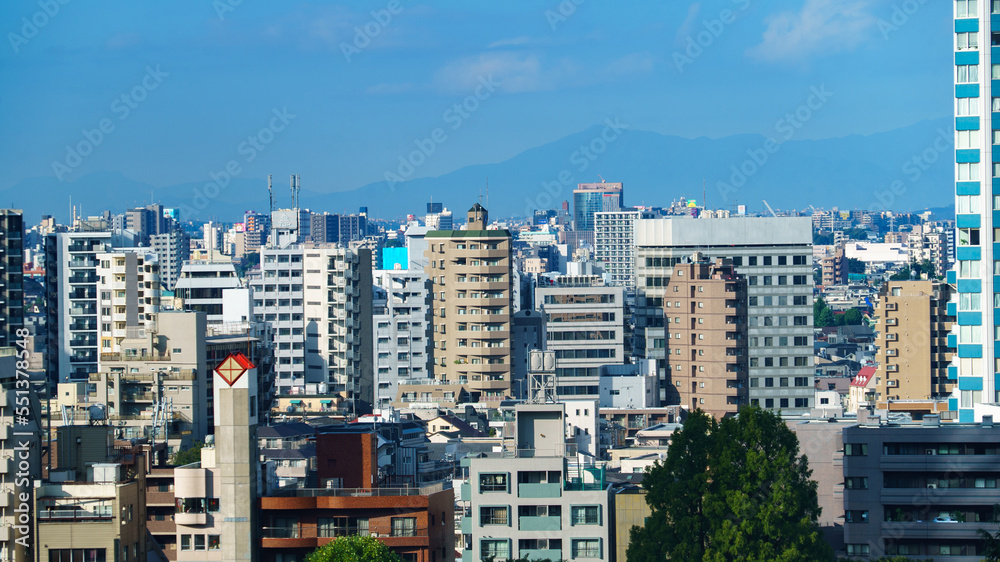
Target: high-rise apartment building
<point x="614" y="241"/>
<point x="71" y="303"/>
<point x="471" y="277"/>
<point x="318" y="301"/>
<point x="912" y="330"/>
<point x="585" y="327"/>
<point x="128" y="291"/>
<point x="974" y="204"/>
<point x="11" y="275"/>
<point x="202" y="284"/>
<point x="172" y="248"/>
<point x="705" y="307"/>
<point x="20" y="458"/>
<point x="775" y="255"/>
<point x="402" y="320"/>
<point x="590" y="198"/>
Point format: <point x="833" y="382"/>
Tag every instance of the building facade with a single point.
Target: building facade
<point x="471" y="292"/>
<point x="403" y="337"/>
<point x="128" y="289"/>
<point x="614" y="241"/>
<point x="585" y="327"/>
<point x="591" y="198"/>
<point x="920" y="489"/>
<point x="71" y="303"/>
<point x="775" y="255"/>
<point x="912" y="326"/>
<point x="11" y="275"/>
<point x="704" y="305"/>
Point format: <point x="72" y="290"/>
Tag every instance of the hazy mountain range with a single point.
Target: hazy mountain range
<point x="908" y="169"/>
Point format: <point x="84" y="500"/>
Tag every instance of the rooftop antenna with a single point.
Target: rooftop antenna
<point x="291" y="186"/>
<point x="270" y="193"/>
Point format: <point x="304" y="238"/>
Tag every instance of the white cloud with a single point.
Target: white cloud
<point x="515" y="72"/>
<point x="687" y="27"/>
<point x="822" y="26"/>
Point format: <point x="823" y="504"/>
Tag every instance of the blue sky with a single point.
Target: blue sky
<point x="210" y="74"/>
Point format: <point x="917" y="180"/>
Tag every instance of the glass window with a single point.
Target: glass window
<point x="214" y="542"/>
<point x="967" y="73"/>
<point x="967" y="41"/>
<point x="585" y="515"/>
<point x="185" y="542"/>
<point x="968" y="171"/>
<point x="967" y="203"/>
<point x="586" y="548"/>
<point x="199" y="542"/>
<point x="965" y="8"/>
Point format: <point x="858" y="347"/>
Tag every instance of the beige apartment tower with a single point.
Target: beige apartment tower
<point x="705" y="314"/>
<point x="470" y="271"/>
<point x="912" y="326"/>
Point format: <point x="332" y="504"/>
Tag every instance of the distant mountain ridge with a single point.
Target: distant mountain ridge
<point x="901" y="170"/>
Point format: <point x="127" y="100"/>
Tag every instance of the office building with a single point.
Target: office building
<point x="472" y="305"/>
<point x="912" y="326"/>
<point x="538" y="498"/>
<point x="921" y="490"/>
<point x="71" y="303"/>
<point x="704" y="305"/>
<point x="974" y="271"/>
<point x="614" y="241"/>
<point x="12" y="260"/>
<point x="591" y="198"/>
<point x="775" y="255"/>
<point x="585" y="327"/>
<point x="403" y="337"/>
<point x="128" y="290"/>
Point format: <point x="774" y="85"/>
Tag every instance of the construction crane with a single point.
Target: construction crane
<point x="773" y="214"/>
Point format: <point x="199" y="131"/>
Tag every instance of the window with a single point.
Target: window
<point x="494" y="548"/>
<point x="856" y="483"/>
<point x="585" y="515"/>
<point x="185" y="542"/>
<point x="767" y="260"/>
<point x="970" y="139"/>
<point x="967" y="41"/>
<point x="853" y="549"/>
<point x="856" y="449"/>
<point x="965" y="8"/>
<point x="968" y="236"/>
<point x="969" y="301"/>
<point x="493" y="516"/>
<point x="966" y="107"/>
<point x="968" y="268"/>
<point x="968" y="171"/>
<point x="493" y="482"/>
<point x="214" y="542"/>
<point x="199" y="542"/>
<point x="405" y="526"/>
<point x="855" y="516"/>
<point x="967" y="203"/>
<point x="967" y="73"/>
<point x="586" y="548"/>
<point x="752" y="260"/>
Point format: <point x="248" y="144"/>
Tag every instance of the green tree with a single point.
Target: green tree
<point x="855" y="266"/>
<point x="735" y="489"/>
<point x="991" y="542"/>
<point x="825" y="319"/>
<point x="853" y="317"/>
<point x="188" y="456"/>
<point x="353" y="548"/>
<point x="676" y="490"/>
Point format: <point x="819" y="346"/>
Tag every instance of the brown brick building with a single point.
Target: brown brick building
<point x="912" y="325"/>
<point x="416" y="522"/>
<point x="472" y="308"/>
<point x="705" y="314"/>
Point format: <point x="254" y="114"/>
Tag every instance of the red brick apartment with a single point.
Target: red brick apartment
<point x="416" y="522"/>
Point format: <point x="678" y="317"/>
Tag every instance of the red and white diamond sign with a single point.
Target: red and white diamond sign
<point x="233" y="367"/>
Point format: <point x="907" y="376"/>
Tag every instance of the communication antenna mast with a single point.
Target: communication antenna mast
<point x="270" y="193"/>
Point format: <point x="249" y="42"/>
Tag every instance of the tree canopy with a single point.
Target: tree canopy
<point x="188" y="456"/>
<point x="728" y="490"/>
<point x="353" y="548"/>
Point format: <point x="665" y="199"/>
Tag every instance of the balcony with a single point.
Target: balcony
<point x="530" y="523"/>
<point x="539" y="554"/>
<point x="131" y="357"/>
<point x="539" y="490"/>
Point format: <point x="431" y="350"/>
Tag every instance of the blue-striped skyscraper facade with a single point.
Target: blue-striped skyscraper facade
<point x="977" y="202"/>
